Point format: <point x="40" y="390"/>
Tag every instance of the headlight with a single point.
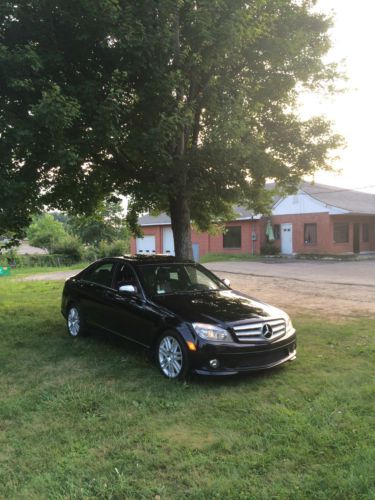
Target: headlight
<point x="288" y="322"/>
<point x="212" y="332"/>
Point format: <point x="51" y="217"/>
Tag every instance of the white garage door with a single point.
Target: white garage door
<point x="146" y="245"/>
<point x="168" y="243"/>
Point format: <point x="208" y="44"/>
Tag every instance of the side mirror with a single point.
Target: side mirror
<point x="131" y="289"/>
<point x="226" y="282"/>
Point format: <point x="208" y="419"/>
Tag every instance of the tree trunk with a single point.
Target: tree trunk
<point x="181" y="227"/>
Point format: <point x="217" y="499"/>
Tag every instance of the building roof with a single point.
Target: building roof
<point x="356" y="202"/>
<point x="163" y="219"/>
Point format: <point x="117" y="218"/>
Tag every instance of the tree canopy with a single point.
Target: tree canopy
<point x="187" y="106"/>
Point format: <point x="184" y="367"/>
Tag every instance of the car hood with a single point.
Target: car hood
<point x="224" y="306"/>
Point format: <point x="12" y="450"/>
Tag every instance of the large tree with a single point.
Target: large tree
<point x="187" y="106"/>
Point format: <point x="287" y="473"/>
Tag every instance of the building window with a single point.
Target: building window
<point x="365" y="233"/>
<point x="341" y="232"/>
<point x="276" y="231"/>
<point x="310" y="234"/>
<point x="232" y="237"/>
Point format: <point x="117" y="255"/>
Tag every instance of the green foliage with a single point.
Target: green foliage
<point x="93" y="418"/>
<point x="105" y="224"/>
<point x="185" y="107"/>
<point x="116" y="248"/>
<point x="269" y="248"/>
<point x="70" y="246"/>
<point x="37" y="260"/>
<point x="46" y="232"/>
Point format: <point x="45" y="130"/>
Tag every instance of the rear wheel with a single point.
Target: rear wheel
<point x="74" y="322"/>
<point x="172" y="356"/>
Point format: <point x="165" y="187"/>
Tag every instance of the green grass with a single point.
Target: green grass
<point x="223" y="257"/>
<point x="92" y="418"/>
<point x="21" y="272"/>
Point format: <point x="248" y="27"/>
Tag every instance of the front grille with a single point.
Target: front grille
<point x="257" y="331"/>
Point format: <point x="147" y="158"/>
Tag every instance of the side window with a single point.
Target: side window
<point x="125" y="276"/>
<point x="101" y="275"/>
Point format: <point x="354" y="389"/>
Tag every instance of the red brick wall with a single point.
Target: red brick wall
<point x="325" y="224"/>
<point x="210" y="243"/>
<point x="325" y="244"/>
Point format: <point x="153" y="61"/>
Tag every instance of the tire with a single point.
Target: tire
<point x="172" y="356"/>
<point x="74" y="322"/>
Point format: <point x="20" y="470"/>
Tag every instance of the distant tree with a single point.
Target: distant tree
<point x="45" y="232"/>
<point x="106" y="224"/>
<point x="186" y="105"/>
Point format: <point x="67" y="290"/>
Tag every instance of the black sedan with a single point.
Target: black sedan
<point x="186" y="316"/>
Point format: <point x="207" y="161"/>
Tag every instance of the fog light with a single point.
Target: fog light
<point x="214" y="363"/>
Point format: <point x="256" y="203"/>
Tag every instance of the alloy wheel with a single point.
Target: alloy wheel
<point x="170" y="357"/>
<point x="73" y="322"/>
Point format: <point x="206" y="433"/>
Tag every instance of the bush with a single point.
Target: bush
<point x="69" y="246"/>
<point x="119" y="247"/>
<point x="37" y="260"/>
<point x="269" y="248"/>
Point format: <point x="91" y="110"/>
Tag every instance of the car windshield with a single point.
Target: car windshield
<point x="161" y="279"/>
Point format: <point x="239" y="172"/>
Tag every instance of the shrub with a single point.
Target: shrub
<point x="37" y="260"/>
<point x="69" y="246"/>
<point x="269" y="248"/>
<point x="119" y="247"/>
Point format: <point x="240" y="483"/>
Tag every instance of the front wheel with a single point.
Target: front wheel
<point x="74" y="322"/>
<point x="172" y="356"/>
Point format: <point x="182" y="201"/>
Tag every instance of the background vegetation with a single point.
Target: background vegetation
<point x="70" y="239"/>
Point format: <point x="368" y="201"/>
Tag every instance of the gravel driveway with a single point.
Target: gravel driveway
<point x="337" y="289"/>
<point x="334" y="289"/>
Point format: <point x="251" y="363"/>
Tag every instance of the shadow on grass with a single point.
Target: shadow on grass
<point x="142" y="358"/>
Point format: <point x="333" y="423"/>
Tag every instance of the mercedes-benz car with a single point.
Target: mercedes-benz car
<point x="188" y="318"/>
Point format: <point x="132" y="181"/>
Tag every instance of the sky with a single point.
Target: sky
<point x="353" y="112"/>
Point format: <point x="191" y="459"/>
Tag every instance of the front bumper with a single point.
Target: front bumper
<point x="238" y="358"/>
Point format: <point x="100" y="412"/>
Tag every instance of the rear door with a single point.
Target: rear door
<point x="94" y="285"/>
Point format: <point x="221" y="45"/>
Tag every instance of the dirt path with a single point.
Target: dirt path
<point x="303" y="297"/>
<point x="57" y="275"/>
<point x="297" y="296"/>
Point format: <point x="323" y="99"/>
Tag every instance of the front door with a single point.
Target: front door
<point x="286" y="238"/>
<point x="356" y="230"/>
<point x="131" y="316"/>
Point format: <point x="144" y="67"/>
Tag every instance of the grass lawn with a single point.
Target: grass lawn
<point x="21" y="272"/>
<point x="92" y="417"/>
<point x="225" y="257"/>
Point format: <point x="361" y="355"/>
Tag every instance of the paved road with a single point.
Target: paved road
<point x="344" y="273"/>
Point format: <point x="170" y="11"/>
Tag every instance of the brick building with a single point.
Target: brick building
<point x="318" y="219"/>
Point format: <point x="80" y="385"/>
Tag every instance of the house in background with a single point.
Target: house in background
<point x="242" y="235"/>
<point x="318" y="219"/>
